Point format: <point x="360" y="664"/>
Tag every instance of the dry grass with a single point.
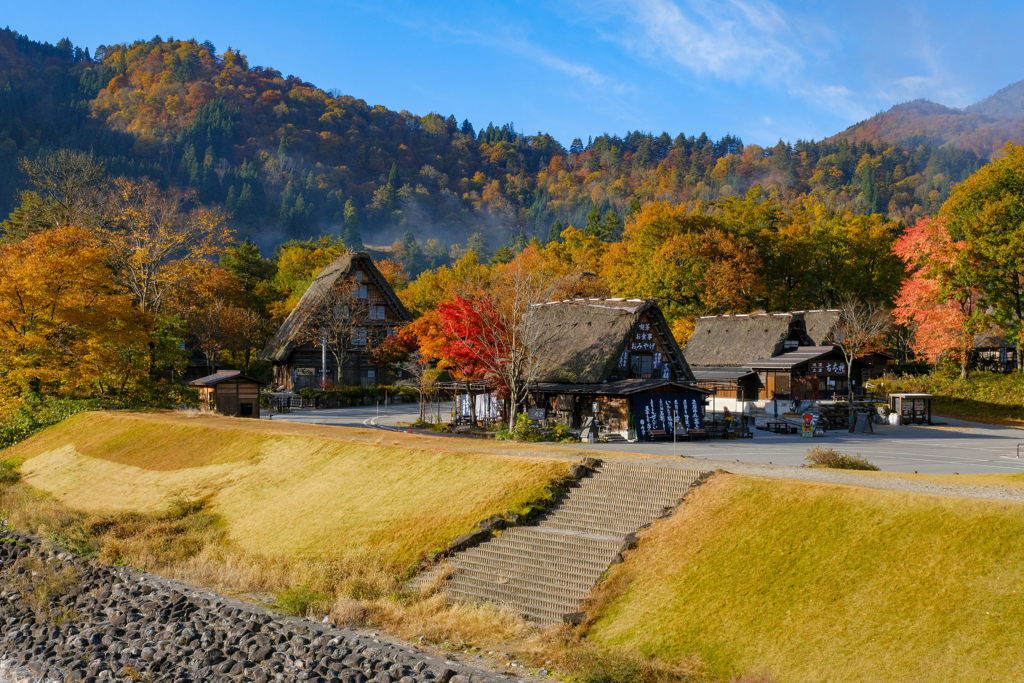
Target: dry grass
<point x="284" y="493"/>
<point x="833" y="459"/>
<point x="328" y="524"/>
<point x="815" y="582"/>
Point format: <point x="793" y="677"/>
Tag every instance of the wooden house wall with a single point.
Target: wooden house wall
<point x="229" y="396"/>
<point x="646" y="339"/>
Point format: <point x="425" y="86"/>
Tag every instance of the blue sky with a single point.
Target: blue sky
<point x="761" y="70"/>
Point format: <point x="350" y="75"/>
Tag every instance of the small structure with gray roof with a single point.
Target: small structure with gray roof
<point x="229" y="392"/>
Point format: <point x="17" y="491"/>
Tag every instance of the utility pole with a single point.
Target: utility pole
<point x="323" y="363"/>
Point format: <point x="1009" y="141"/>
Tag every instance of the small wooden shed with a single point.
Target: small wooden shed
<point x="229" y="392"/>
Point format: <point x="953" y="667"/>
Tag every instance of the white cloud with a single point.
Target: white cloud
<point x="732" y="40"/>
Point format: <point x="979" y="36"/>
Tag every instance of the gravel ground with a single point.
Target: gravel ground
<point x="104" y="623"/>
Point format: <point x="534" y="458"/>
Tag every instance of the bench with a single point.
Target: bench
<point x="656" y="434"/>
<point x="697" y="434"/>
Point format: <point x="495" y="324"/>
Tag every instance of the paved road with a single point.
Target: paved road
<point x="366" y="416"/>
<point x="954" y="448"/>
<point x="965" y="448"/>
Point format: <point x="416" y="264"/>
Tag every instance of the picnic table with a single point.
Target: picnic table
<point x="781" y="427"/>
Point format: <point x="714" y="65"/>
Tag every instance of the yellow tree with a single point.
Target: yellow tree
<point x="66" y="328"/>
<point x="155" y="239"/>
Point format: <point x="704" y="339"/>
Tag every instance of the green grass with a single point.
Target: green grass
<point x="990" y="397"/>
<point x="814" y="582"/>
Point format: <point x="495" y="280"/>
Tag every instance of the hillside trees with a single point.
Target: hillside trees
<point x="986" y="212"/>
<point x="285" y="156"/>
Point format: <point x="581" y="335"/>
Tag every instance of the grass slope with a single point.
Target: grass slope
<point x="284" y="489"/>
<point x="815" y="582"/>
<point x="989" y="397"/>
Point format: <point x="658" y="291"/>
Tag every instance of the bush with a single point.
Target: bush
<point x="298" y="600"/>
<point x="8" y="474"/>
<point x="523" y="431"/>
<point x="559" y="432"/>
<point x="35" y="416"/>
<point x="831" y="458"/>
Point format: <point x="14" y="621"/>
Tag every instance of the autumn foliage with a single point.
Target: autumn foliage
<point x="66" y="329"/>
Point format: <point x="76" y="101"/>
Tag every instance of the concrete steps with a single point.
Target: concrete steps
<point x="545" y="572"/>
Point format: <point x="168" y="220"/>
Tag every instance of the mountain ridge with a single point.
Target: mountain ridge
<point x="983" y="127"/>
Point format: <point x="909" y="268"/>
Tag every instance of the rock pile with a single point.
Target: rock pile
<point x="65" y="619"/>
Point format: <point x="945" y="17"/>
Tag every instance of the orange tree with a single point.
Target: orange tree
<point x="66" y="328"/>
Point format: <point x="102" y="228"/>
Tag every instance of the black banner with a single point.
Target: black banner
<point x="655" y="411"/>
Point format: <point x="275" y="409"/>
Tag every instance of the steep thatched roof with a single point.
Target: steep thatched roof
<point x="735" y="340"/>
<point x="586" y="337"/>
<point x="289" y="335"/>
<point x="992" y="337"/>
<point x="821" y="324"/>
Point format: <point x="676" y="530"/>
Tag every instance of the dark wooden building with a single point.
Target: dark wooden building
<point x="806" y="373"/>
<point x="229" y="392"/>
<point x="729" y="355"/>
<point x="992" y="352"/>
<point x="615" y="363"/>
<point x="298" y="363"/>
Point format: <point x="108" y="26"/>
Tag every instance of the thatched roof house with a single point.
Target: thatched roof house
<point x="993" y="351"/>
<point x="821" y="324"/>
<point x="297" y="363"/>
<point x="735" y="340"/>
<point x="591" y="339"/>
<point x="613" y="363"/>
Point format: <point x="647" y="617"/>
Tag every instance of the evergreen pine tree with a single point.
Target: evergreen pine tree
<point x="504" y="254"/>
<point x="231" y="203"/>
<point x="576" y="147"/>
<point x="467" y="129"/>
<point x="477" y="244"/>
<point x="634" y="206"/>
<point x="612" y="226"/>
<point x="393" y="178"/>
<point x="555" y="232"/>
<point x="352" y="234"/>
<point x="594" y="226"/>
<point x="246" y="209"/>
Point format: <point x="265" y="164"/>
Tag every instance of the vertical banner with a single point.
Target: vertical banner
<point x="654" y="411"/>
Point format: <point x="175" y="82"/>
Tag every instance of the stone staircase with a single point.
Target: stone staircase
<point x="545" y="572"/>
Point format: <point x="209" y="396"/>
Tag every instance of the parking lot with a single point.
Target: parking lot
<point x="942" y="449"/>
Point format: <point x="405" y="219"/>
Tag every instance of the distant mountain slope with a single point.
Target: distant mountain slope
<point x="1007" y="103"/>
<point x="983" y="127"/>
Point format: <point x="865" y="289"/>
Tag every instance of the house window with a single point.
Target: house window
<point x="359" y="336"/>
<point x="359" y="276"/>
<point x="359" y="292"/>
<point x="392" y="332"/>
<point x="368" y="377"/>
<point x="377" y="312"/>
<point x="642" y="365"/>
<point x="791" y="345"/>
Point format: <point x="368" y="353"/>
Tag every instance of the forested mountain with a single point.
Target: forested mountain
<point x="289" y="160"/>
<point x="983" y="127"/>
